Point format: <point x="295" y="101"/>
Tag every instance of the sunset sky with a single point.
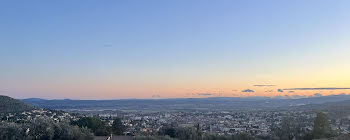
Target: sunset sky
<point x="116" y="49"/>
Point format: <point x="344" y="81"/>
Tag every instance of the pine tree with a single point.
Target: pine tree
<point x="322" y="128"/>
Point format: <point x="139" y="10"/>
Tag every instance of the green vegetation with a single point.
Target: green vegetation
<point x="322" y="128"/>
<point x="153" y="138"/>
<point x="241" y="136"/>
<point x="98" y="127"/>
<point x="204" y="137"/>
<point x="10" y="105"/>
<point x="291" y="129"/>
<point x="288" y="129"/>
<point x="193" y="133"/>
<point x="43" y="129"/>
<point x="37" y="129"/>
<point x="118" y="128"/>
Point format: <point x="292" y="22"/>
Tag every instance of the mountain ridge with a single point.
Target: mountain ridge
<point x="223" y="103"/>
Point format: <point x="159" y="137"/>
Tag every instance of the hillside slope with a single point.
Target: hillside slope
<point x="335" y="110"/>
<point x="10" y="105"/>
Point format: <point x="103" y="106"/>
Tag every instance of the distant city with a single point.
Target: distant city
<point x="177" y="118"/>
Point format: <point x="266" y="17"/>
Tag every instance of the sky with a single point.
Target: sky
<point x="117" y="49"/>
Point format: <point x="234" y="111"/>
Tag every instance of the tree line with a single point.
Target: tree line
<point x="292" y="129"/>
<point x="46" y="129"/>
<point x="99" y="127"/>
<point x="43" y="129"/>
<point x="192" y="133"/>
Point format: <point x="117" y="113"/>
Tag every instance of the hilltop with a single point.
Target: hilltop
<point x="10" y="105"/>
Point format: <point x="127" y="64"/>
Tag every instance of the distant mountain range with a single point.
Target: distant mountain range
<point x="337" y="106"/>
<point x="217" y="103"/>
<point x="10" y="105"/>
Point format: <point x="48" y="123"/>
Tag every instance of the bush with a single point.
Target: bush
<point x="43" y="129"/>
<point x="153" y="138"/>
<point x="98" y="127"/>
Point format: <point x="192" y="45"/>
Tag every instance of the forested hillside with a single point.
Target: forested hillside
<point x="10" y="105"/>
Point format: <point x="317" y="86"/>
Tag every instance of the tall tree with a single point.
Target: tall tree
<point x="118" y="128"/>
<point x="322" y="128"/>
<point x="199" y="131"/>
<point x="288" y="130"/>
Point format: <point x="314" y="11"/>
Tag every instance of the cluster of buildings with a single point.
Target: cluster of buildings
<point x="256" y="123"/>
<point x="56" y="116"/>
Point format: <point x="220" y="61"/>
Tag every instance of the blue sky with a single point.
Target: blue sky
<point x="130" y="48"/>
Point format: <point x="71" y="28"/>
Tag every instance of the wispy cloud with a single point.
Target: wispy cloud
<point x="279" y="90"/>
<point x="205" y="94"/>
<point x="291" y="91"/>
<point x="269" y="91"/>
<point x="264" y="85"/>
<point x="247" y="90"/>
<point x="330" y="88"/>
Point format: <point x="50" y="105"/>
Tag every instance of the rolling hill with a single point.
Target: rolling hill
<point x="10" y="105"/>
